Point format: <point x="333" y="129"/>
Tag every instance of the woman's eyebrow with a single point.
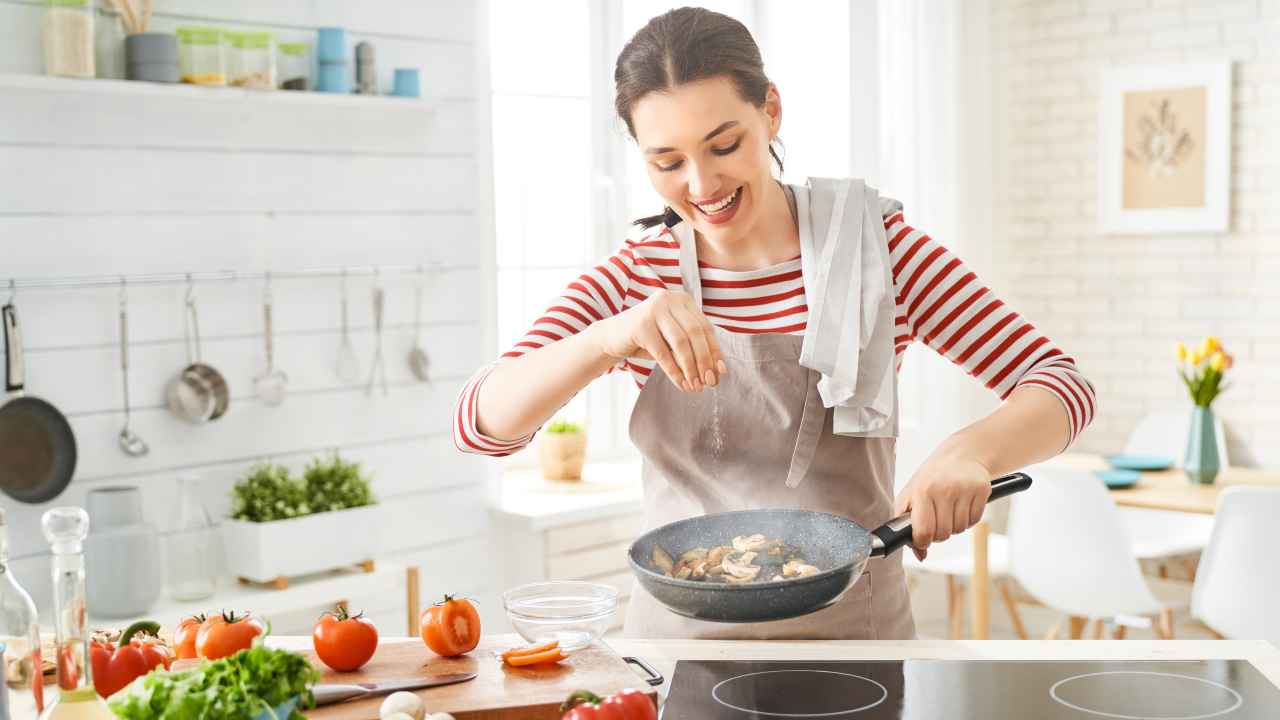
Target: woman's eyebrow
<point x="721" y="128"/>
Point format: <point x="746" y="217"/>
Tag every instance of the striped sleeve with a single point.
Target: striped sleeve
<point x="943" y="303"/>
<point x="599" y="293"/>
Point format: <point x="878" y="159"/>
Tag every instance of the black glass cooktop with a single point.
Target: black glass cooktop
<point x="971" y="690"/>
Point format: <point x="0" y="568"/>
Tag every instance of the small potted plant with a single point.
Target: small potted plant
<point x="281" y="526"/>
<point x="563" y="449"/>
<point x="1202" y="371"/>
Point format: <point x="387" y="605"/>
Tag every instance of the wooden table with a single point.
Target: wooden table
<point x="1162" y="490"/>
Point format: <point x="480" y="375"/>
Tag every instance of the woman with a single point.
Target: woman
<point x="765" y="324"/>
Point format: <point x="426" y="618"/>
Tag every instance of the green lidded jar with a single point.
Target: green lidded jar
<point x="201" y="56"/>
<point x="251" y="60"/>
<point x="294" y="66"/>
<point x="67" y="36"/>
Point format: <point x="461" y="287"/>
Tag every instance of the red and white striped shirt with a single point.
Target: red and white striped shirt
<point x="939" y="301"/>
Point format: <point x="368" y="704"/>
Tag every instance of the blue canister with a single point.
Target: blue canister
<point x="331" y="45"/>
<point x="333" y="78"/>
<point x="407" y="83"/>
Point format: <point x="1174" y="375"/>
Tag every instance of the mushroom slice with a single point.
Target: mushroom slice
<point x="714" y="571"/>
<point x="684" y="573"/>
<point x="750" y="543"/>
<point x="740" y="565"/>
<point x="792" y="568"/>
<point x="741" y="580"/>
<point x="662" y="560"/>
<point x="700" y="570"/>
<point x="717" y="554"/>
<point x="806" y="570"/>
<point x="690" y="556"/>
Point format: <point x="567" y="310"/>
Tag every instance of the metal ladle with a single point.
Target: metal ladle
<point x="270" y="385"/>
<point x="130" y="443"/>
<point x="348" y="368"/>
<point x="379" y="370"/>
<point x="419" y="363"/>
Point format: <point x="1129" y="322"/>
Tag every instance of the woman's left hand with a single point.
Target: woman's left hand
<point x="945" y="496"/>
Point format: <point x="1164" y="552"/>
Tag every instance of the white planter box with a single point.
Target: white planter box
<point x="263" y="552"/>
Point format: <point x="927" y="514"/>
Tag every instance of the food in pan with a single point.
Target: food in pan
<point x="747" y="559"/>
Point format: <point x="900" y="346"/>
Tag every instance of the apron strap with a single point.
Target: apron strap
<point x="811" y="419"/>
<point x="689" y="275"/>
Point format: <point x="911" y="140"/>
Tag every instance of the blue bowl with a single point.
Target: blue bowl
<point x="283" y="710"/>
<point x="1139" y="462"/>
<point x="1118" y="479"/>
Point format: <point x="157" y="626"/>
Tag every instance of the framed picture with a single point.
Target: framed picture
<point x="1164" y="150"/>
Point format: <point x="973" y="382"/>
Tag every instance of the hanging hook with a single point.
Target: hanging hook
<point x="344" y="283"/>
<point x="266" y="288"/>
<point x="13" y="290"/>
<point x="191" y="290"/>
<point x="124" y="291"/>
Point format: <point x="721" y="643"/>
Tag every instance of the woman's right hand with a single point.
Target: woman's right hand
<point x="670" y="328"/>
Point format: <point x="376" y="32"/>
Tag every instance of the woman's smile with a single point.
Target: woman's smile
<point x="721" y="210"/>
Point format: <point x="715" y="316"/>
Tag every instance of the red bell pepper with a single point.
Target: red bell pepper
<point x="629" y="704"/>
<point x="115" y="666"/>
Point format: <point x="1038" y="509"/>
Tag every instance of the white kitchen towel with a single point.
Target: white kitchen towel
<point x="844" y="258"/>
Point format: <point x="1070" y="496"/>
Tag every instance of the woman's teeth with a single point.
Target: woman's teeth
<point x="724" y="203"/>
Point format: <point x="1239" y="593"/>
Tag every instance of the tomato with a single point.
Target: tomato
<point x="114" y="666"/>
<point x="344" y="643"/>
<point x="451" y="627"/>
<point x="184" y="637"/>
<point x="629" y="704"/>
<point x="226" y="634"/>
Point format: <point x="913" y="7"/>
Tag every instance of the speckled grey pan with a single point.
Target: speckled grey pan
<point x="837" y="544"/>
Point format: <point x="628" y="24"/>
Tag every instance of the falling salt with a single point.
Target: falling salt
<point x="717" y="438"/>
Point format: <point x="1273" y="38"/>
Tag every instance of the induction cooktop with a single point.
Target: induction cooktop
<point x="971" y="690"/>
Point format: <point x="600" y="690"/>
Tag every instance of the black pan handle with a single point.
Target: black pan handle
<point x="13" y="370"/>
<point x="897" y="532"/>
<point x="653" y="677"/>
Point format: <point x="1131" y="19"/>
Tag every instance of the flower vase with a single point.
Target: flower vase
<point x="1201" y="462"/>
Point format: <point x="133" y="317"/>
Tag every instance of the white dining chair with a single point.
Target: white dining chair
<point x="1237" y="591"/>
<point x="953" y="560"/>
<point x="1069" y="549"/>
<point x="1160" y="535"/>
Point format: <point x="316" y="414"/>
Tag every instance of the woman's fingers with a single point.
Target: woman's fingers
<point x="976" y="508"/>
<point x="705" y="346"/>
<point x="923" y="522"/>
<point x="681" y="347"/>
<point x="650" y="340"/>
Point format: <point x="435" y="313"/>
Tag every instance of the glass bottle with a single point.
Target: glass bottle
<point x="19" y="631"/>
<point x="65" y="528"/>
<point x="190" y="549"/>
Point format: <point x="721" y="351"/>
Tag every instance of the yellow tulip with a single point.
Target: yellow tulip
<point x="1209" y="346"/>
<point x="1196" y="357"/>
<point x="1182" y="352"/>
<point x="1218" y="362"/>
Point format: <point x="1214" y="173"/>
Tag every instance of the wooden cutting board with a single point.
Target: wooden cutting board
<point x="498" y="692"/>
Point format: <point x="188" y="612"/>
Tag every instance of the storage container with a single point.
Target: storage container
<point x="201" y="56"/>
<point x="68" y="38"/>
<point x="251" y="60"/>
<point x="294" y="66"/>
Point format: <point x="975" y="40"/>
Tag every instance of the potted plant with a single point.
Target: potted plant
<point x="281" y="526"/>
<point x="1202" y="371"/>
<point x="562" y="450"/>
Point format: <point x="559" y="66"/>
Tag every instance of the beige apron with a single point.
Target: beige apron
<point x="741" y="446"/>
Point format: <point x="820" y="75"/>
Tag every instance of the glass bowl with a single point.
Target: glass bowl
<point x="574" y="613"/>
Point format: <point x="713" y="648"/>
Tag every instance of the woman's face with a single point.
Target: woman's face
<point x="707" y="153"/>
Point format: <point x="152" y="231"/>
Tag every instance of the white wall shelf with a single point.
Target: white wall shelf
<point x="208" y="93"/>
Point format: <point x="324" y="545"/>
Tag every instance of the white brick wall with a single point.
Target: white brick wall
<point x="1118" y="304"/>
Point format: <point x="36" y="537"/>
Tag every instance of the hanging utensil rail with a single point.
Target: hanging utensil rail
<point x="182" y="278"/>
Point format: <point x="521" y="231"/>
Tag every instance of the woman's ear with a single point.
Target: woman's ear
<point x="773" y="110"/>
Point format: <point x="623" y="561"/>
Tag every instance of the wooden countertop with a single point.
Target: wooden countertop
<point x="1170" y="489"/>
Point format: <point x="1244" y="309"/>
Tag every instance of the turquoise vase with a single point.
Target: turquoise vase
<point x="1201" y="462"/>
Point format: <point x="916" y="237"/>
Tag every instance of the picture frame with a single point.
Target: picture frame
<point x="1164" y="148"/>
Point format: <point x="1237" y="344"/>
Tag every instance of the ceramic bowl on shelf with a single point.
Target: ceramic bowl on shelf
<point x="574" y="613"/>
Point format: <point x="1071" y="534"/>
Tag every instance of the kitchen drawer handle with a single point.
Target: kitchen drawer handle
<point x="654" y="678"/>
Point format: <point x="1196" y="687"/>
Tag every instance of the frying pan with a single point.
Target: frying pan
<point x="37" y="447"/>
<point x="837" y="544"/>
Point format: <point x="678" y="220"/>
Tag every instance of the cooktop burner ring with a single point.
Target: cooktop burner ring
<point x="715" y="694"/>
<point x="1053" y="693"/>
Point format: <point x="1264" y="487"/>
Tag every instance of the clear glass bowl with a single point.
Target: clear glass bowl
<point x="574" y="613"/>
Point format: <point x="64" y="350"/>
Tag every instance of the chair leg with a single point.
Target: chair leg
<point x="1012" y="607"/>
<point x="1053" y="631"/>
<point x="1098" y="624"/>
<point x="1190" y="565"/>
<point x="1164" y="624"/>
<point x="1076" y="625"/>
<point x="1119" y="632"/>
<point x="955" y="607"/>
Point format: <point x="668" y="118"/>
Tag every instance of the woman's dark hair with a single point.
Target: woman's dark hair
<point x="683" y="46"/>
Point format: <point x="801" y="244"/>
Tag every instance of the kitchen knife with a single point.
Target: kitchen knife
<point x="327" y="694"/>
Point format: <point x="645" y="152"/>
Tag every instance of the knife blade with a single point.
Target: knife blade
<point x="328" y="694"/>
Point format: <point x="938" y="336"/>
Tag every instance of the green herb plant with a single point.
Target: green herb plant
<point x="563" y="426"/>
<point x="269" y="492"/>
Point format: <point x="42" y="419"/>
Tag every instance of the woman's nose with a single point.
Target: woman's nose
<point x="704" y="183"/>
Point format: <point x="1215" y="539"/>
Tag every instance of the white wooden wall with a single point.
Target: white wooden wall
<point x="185" y="179"/>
